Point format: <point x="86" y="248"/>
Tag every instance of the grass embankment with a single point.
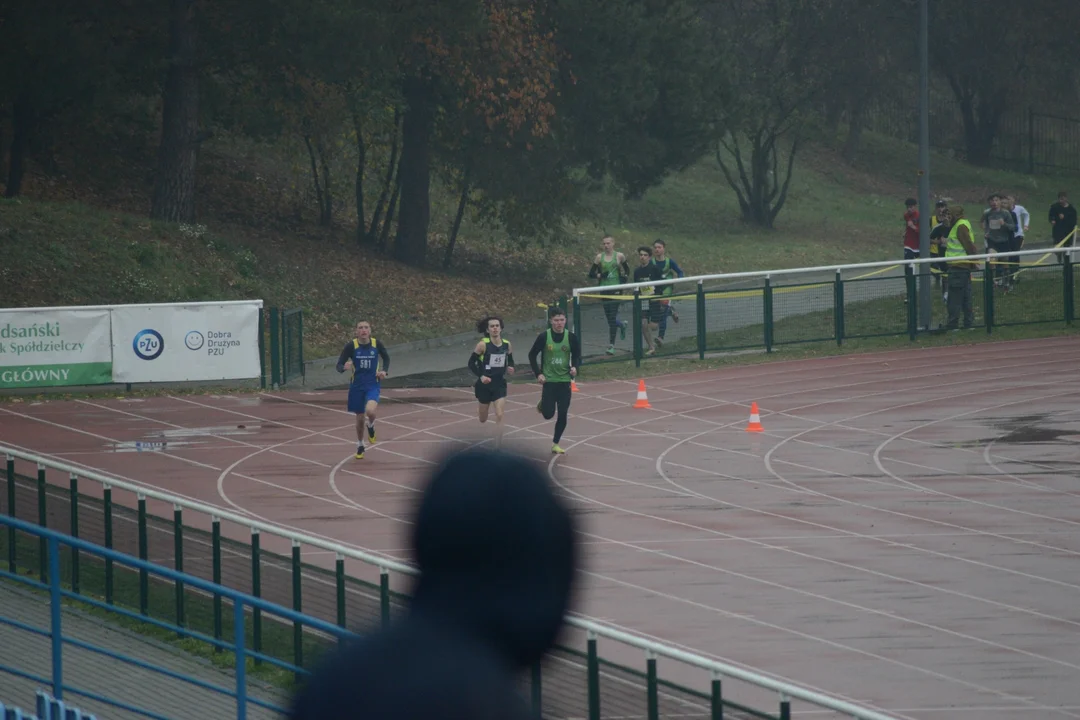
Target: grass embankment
<point x="76" y="239"/>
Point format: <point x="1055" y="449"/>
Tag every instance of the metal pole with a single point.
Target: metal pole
<point x="925" y="208"/>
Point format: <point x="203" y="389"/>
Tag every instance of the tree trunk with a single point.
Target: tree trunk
<point x="388" y="185"/>
<point x="414" y="215"/>
<point x="980" y="128"/>
<point x="463" y="201"/>
<point x="174" y="186"/>
<point x="22" y="122"/>
<point x="384" y="236"/>
<point x="854" y="134"/>
<point x="361" y="161"/>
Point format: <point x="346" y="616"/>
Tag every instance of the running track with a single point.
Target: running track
<point x="906" y="533"/>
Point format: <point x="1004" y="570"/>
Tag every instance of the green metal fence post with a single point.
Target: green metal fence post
<point x="107" y="502"/>
<point x="256" y="590"/>
<point x="717" y="701"/>
<point x="1069" y="289"/>
<point x="178" y="558"/>
<point x="593" y="677"/>
<point x="651" y="687"/>
<point x="635" y="317"/>
<point x="988" y="295"/>
<point x="838" y="308"/>
<point x="275" y="349"/>
<point x="286" y="348"/>
<point x="297" y="591"/>
<point x="43" y="544"/>
<point x="576" y="318"/>
<point x="339" y="581"/>
<point x="262" y="348"/>
<point x="10" y="475"/>
<point x="701" y="329"/>
<point x="912" y="302"/>
<point x="215" y="552"/>
<point x="144" y="555"/>
<point x="73" y="502"/>
<point x="300" y="340"/>
<point x="767" y="308"/>
<point x="785" y="707"/>
<point x="384" y="595"/>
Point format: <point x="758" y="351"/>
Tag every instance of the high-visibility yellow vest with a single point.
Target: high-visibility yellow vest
<point x="955" y="248"/>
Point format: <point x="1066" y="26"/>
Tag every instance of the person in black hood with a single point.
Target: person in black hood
<point x="497" y="555"/>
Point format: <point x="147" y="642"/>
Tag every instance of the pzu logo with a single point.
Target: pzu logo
<point x="148" y="344"/>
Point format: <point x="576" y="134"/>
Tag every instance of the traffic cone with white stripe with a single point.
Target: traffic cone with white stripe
<point x="755" y="420"/>
<point x="642" y="398"/>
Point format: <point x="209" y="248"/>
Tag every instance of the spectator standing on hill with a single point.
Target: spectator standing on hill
<point x="1063" y="222"/>
<point x="939" y="233"/>
<point x="911" y="229"/>
<point x="1022" y="218"/>
<point x="961" y="242"/>
<point x="497" y="553"/>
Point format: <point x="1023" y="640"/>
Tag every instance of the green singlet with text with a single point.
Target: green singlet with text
<point x="556" y="365"/>
<point x="611" y="267"/>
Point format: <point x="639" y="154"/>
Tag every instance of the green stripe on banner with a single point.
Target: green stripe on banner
<point x="28" y="376"/>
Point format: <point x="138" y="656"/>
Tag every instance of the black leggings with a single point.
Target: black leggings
<point x="611" y="310"/>
<point x="556" y="395"/>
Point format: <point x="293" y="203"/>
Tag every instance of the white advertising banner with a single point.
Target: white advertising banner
<point x="180" y="343"/>
<point x="48" y="348"/>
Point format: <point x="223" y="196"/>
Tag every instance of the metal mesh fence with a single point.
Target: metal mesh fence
<point x="267" y="566"/>
<point x="718" y="314"/>
<point x="292" y="344"/>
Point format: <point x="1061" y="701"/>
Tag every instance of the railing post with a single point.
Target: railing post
<point x="702" y="342"/>
<point x="297" y="590"/>
<point x="1069" y="288"/>
<point x="300" y="341"/>
<point x="651" y="687"/>
<point x="215" y="551"/>
<point x="275" y="349"/>
<point x="55" y="627"/>
<point x="256" y="591"/>
<point x="593" y="677"/>
<point x="767" y="308"/>
<point x="262" y="348"/>
<point x="43" y="559"/>
<point x="536" y="690"/>
<point x="838" y="308"/>
<point x="339" y="581"/>
<point x="635" y="318"/>
<point x="73" y="503"/>
<point x="241" y="659"/>
<point x="912" y="302"/>
<point x="988" y="295"/>
<point x="785" y="707"/>
<point x="12" y="555"/>
<point x="178" y="557"/>
<point x="576" y="317"/>
<point x="384" y="595"/>
<point x="144" y="555"/>
<point x="717" y="701"/>
<point x="107" y="501"/>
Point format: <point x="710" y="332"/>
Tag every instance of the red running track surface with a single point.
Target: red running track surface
<point x="905" y="533"/>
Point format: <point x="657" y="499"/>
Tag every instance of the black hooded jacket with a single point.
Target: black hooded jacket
<point x="497" y="556"/>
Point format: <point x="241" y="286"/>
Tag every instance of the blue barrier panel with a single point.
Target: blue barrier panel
<point x="52" y="706"/>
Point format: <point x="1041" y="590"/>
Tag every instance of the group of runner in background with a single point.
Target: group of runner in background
<point x="1004" y="225"/>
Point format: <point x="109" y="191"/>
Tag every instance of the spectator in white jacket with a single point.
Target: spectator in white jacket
<point x="1023" y="221"/>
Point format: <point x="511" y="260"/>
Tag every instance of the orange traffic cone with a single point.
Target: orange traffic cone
<point x="755" y="420"/>
<point x="642" y="398"/>
<point x="573" y="385"/>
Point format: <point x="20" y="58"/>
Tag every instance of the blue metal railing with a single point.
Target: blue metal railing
<point x="242" y="604"/>
<point x="48" y="708"/>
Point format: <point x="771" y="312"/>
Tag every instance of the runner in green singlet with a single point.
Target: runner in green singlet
<point x="610" y="268"/>
<point x="561" y="351"/>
